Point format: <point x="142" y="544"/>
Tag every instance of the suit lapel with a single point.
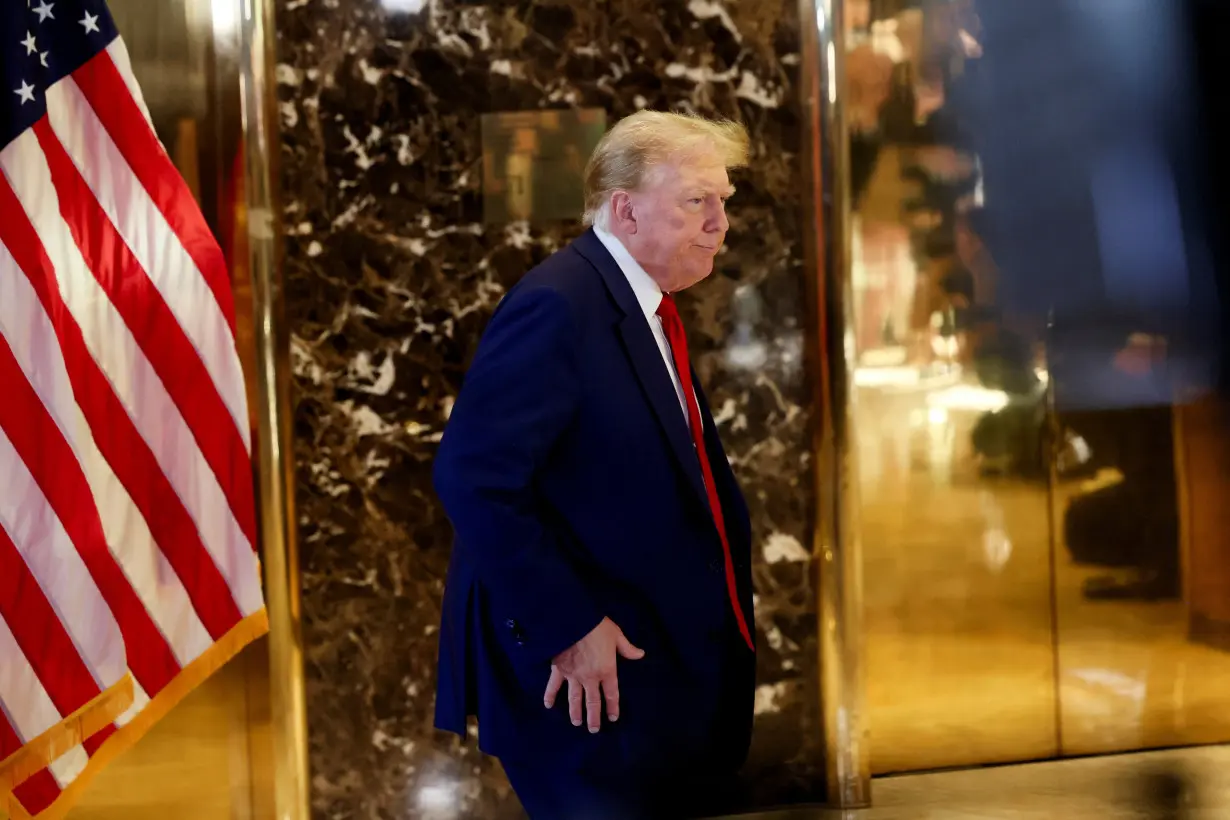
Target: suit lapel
<point x="646" y="359"/>
<point x="660" y="390"/>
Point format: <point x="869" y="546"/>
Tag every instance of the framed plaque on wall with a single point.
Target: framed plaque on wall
<point x="533" y="163"/>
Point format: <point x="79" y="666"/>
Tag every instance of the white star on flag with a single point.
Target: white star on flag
<point x="44" y="11"/>
<point x="29" y="43"/>
<point x="26" y="92"/>
<point x="90" y="22"/>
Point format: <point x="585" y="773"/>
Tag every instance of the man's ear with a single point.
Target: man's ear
<point x="623" y="213"/>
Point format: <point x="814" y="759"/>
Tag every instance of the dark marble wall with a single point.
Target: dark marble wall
<point x="390" y="279"/>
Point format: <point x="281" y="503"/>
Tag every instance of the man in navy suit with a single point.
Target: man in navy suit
<point x="603" y="545"/>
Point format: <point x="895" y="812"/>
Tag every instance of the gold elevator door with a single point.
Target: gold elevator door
<point x="1046" y="566"/>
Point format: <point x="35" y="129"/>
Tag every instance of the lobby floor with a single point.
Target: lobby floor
<point x="1181" y="784"/>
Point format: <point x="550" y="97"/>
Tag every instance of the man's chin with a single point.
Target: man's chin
<point x="695" y="278"/>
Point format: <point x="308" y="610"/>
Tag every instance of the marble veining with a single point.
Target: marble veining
<point x="390" y="278"/>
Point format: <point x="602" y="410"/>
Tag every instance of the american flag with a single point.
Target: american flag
<point x="127" y="519"/>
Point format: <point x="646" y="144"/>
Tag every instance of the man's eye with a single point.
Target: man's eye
<point x="696" y="200"/>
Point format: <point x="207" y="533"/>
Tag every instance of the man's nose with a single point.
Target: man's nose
<point x="717" y="220"/>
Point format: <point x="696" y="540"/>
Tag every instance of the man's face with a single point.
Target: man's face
<point x="676" y="223"/>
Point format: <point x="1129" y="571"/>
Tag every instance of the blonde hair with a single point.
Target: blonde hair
<point x="639" y="143"/>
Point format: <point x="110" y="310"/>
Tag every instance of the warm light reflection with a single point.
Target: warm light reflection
<point x="1111" y="681"/>
<point x="226" y="17"/>
<point x="996" y="548"/>
<point x="437" y="797"/>
<point x="903" y="376"/>
<point x="968" y="397"/>
<point x="404" y="6"/>
<point x="886" y="376"/>
<point x="750" y="355"/>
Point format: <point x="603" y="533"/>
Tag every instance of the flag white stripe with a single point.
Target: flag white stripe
<point x="194" y="483"/>
<point x="29" y="707"/>
<point x="32" y="525"/>
<point x="148" y="235"/>
<point x="139" y="700"/>
<point x="69" y="766"/>
<point x="24" y="511"/>
<point x="119" y="55"/>
<point x="112" y="345"/>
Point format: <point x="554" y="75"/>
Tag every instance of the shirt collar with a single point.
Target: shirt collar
<point x="647" y="292"/>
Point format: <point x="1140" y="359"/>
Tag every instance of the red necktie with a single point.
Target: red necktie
<point x="673" y="326"/>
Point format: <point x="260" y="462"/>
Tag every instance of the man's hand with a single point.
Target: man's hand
<point x="589" y="668"/>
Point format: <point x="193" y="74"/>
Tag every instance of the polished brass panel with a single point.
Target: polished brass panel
<point x="256" y="60"/>
<point x="837" y="555"/>
<point x="200" y="762"/>
<point x="1202" y="453"/>
<point x="1043" y="527"/>
<point x="953" y="485"/>
<point x="1145" y="668"/>
<point x="1141" y="565"/>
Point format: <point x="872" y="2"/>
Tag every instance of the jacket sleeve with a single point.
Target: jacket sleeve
<point x="520" y="394"/>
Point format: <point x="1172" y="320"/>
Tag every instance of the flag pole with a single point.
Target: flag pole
<point x="275" y="457"/>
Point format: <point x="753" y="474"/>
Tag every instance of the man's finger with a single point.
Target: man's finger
<point x="575" y="691"/>
<point x="553" y="685"/>
<point x="593" y="706"/>
<point x="610" y="691"/>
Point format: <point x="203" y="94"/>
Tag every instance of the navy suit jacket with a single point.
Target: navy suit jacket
<point x="569" y="474"/>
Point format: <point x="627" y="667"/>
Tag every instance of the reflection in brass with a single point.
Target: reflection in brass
<point x="958" y="603"/>
<point x="167" y="44"/>
<point x="1052" y="439"/>
<point x="1182" y="464"/>
<point x="533" y="162"/>
<point x="1202" y="448"/>
<point x="994" y="635"/>
<point x="837" y="552"/>
<point x="274" y="453"/>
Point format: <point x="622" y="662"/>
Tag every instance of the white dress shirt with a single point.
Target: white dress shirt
<point x="649" y="296"/>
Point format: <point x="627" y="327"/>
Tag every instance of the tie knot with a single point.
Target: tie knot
<point x="667" y="308"/>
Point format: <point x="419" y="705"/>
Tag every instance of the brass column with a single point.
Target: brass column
<point x="258" y="100"/>
<point x="836" y="551"/>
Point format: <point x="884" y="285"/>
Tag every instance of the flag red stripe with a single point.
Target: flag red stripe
<point x="40" y="790"/>
<point x="103" y="86"/>
<point x="54" y="466"/>
<point x="42" y="637"/>
<point x="95" y="741"/>
<point x="117" y="437"/>
<point x="43" y="789"/>
<point x="159" y="336"/>
<point x="9" y="741"/>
